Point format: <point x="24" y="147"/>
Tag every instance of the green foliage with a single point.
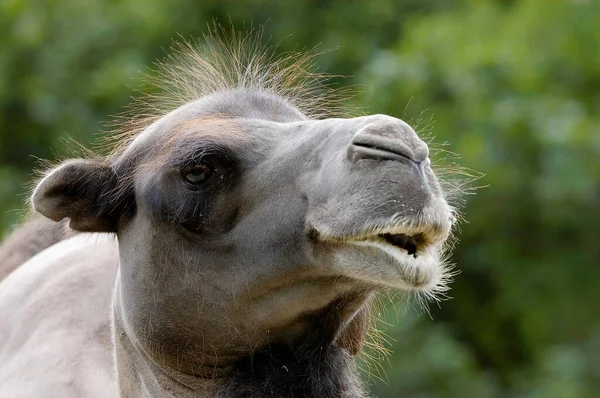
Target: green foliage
<point x="513" y="87"/>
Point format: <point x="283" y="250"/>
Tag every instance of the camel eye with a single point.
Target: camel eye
<point x="197" y="174"/>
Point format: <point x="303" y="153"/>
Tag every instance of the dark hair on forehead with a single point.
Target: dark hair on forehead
<point x="226" y="60"/>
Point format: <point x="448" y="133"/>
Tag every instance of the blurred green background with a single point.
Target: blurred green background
<point x="513" y="86"/>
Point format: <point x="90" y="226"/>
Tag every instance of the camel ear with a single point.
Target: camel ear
<point x="82" y="191"/>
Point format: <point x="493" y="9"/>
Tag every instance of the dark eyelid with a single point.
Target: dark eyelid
<point x="189" y="152"/>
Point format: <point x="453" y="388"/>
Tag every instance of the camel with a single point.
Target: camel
<point x="229" y="245"/>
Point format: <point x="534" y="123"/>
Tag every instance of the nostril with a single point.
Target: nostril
<point x="386" y="140"/>
<point x="398" y="152"/>
<point x="378" y="147"/>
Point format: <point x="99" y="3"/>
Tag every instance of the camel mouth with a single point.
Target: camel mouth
<point x="408" y="257"/>
<point x="413" y="241"/>
<point x="413" y="244"/>
<point x="414" y="255"/>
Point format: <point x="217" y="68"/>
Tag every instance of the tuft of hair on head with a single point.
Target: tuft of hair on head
<point x="225" y="60"/>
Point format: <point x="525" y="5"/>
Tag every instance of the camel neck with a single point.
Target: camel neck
<point x="139" y="375"/>
<point x="310" y="367"/>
